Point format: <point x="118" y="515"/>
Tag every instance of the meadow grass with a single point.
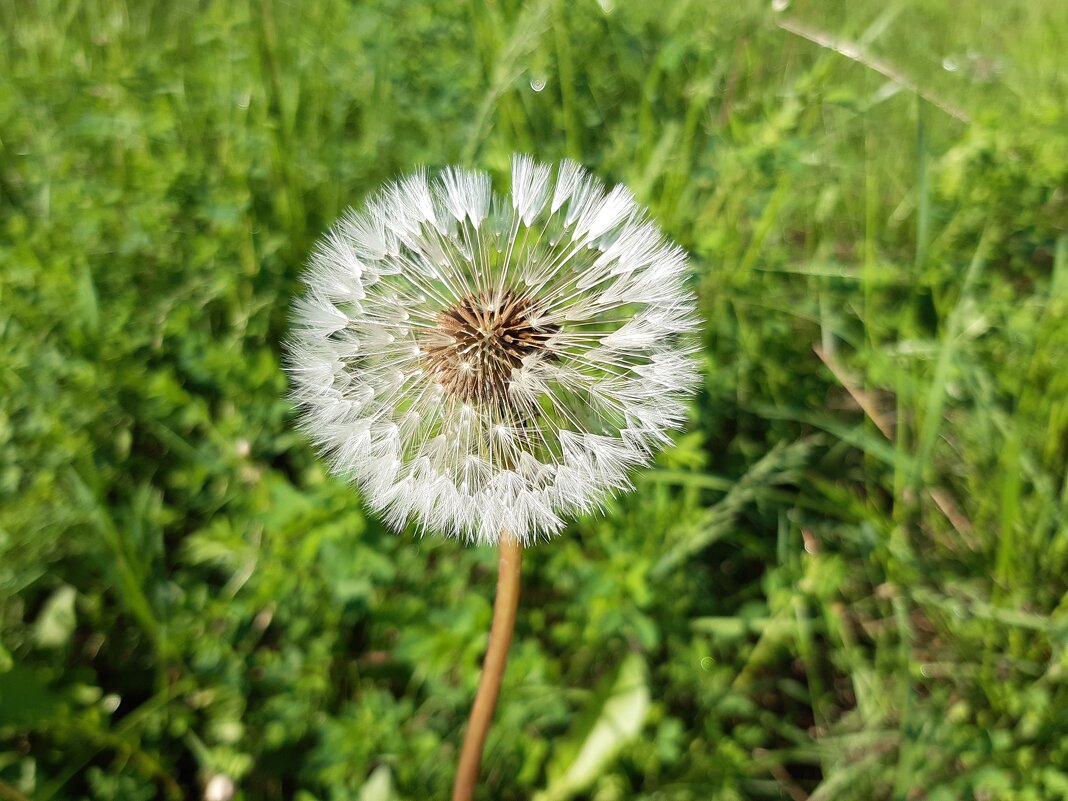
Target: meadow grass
<point x="846" y="581"/>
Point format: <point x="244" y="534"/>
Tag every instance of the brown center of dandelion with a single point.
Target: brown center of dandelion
<point x="479" y="341"/>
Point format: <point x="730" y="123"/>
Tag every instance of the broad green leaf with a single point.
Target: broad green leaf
<point x="26" y="699"/>
<point x="379" y="785"/>
<point x="613" y="719"/>
<point x="56" y="622"/>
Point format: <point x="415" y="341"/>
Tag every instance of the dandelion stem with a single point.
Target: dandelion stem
<point x="489" y="686"/>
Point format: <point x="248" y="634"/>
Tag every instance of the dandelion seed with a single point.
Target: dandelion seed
<point x="477" y="362"/>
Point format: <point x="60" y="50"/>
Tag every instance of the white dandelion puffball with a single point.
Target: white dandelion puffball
<point x="478" y="362"/>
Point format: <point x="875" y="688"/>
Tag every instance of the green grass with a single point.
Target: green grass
<point x="848" y="580"/>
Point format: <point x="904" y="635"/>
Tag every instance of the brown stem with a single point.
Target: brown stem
<point x="489" y="686"/>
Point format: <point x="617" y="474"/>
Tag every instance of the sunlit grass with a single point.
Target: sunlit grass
<point x="848" y="581"/>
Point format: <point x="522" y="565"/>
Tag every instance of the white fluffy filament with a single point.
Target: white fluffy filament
<point x="478" y="363"/>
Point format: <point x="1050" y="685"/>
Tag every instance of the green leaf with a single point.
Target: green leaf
<point x="613" y="719"/>
<point x="26" y="699"/>
<point x="379" y="785"/>
<point x="56" y="622"/>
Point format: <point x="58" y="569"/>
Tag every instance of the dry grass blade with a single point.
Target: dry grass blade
<point x="855" y="52"/>
<point x="942" y="499"/>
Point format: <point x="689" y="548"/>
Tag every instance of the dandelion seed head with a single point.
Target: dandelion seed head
<point x="479" y="363"/>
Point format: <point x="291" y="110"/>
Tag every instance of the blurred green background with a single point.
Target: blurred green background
<point x="847" y="580"/>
